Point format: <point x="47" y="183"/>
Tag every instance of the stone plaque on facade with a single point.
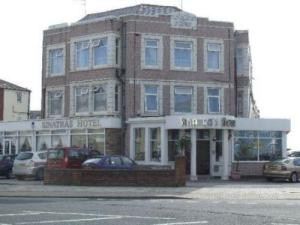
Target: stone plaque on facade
<point x="183" y="20"/>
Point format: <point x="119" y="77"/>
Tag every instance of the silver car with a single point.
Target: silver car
<point x="288" y="168"/>
<point x="30" y="164"/>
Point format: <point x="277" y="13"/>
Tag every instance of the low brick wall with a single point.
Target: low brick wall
<point x="139" y="177"/>
<point x="250" y="169"/>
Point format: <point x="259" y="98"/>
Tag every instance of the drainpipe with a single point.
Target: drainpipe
<point x="121" y="77"/>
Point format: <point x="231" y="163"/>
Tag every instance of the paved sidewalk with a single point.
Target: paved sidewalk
<point x="208" y="189"/>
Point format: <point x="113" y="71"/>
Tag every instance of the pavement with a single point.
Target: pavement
<point x="213" y="189"/>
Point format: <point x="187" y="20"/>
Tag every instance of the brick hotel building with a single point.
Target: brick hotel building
<point x="135" y="80"/>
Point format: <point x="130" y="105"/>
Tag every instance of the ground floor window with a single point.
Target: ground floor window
<point x="25" y="141"/>
<point x="139" y="144"/>
<point x="155" y="144"/>
<point x="59" y="139"/>
<point x="257" y="145"/>
<point x="43" y="140"/>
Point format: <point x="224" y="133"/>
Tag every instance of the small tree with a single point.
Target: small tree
<point x="182" y="144"/>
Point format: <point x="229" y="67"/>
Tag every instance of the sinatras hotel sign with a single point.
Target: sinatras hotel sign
<point x="217" y="122"/>
<point x="71" y="123"/>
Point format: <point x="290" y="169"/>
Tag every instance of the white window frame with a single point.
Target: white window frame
<point x="52" y="89"/>
<point x="93" y="51"/>
<point x="221" y="55"/>
<point x="214" y="96"/>
<point x="109" y="86"/>
<point x="192" y="98"/>
<point x="89" y="100"/>
<point x="193" y="42"/>
<point x="145" y="99"/>
<point x="111" y="51"/>
<point x="48" y="60"/>
<point x="159" y="39"/>
<point x="104" y="86"/>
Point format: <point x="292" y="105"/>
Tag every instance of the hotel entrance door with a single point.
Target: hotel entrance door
<point x="203" y="152"/>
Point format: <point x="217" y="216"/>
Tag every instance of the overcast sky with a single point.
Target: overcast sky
<point x="274" y="37"/>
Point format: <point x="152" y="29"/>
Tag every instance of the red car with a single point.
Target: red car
<point x="68" y="157"/>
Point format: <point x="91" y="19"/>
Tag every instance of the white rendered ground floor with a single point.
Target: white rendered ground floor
<point x="215" y="144"/>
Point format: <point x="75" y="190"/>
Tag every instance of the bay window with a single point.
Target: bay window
<point x="99" y="95"/>
<point x="82" y="54"/>
<point x="55" y="103"/>
<point x="139" y="144"/>
<point x="82" y="99"/>
<point x="99" y="51"/>
<point x="155" y="144"/>
<point x="56" y="62"/>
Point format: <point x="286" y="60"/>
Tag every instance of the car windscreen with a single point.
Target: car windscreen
<point x="75" y="153"/>
<point x="56" y="154"/>
<point x="24" y="156"/>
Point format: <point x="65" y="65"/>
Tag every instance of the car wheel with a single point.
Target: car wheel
<point x="294" y="178"/>
<point x="39" y="174"/>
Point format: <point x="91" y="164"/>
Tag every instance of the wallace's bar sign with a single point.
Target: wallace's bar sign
<point x="210" y="122"/>
<point x="71" y="124"/>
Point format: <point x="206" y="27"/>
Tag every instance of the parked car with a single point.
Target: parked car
<point x="6" y="164"/>
<point x="294" y="153"/>
<point x="110" y="162"/>
<point x="287" y="168"/>
<point x="30" y="164"/>
<point x="68" y="157"/>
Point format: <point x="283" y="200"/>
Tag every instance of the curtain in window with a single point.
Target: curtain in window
<point x="100" y="51"/>
<point x="56" y="61"/>
<point x="151" y="52"/>
<point x="151" y="98"/>
<point x="55" y="102"/>
<point x="82" y="99"/>
<point x="82" y="54"/>
<point x="183" y="99"/>
<point x="183" y="54"/>
<point x="213" y="56"/>
<point x="155" y="148"/>
<point x="99" y="98"/>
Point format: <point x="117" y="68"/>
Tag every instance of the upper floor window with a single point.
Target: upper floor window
<point x="183" y="54"/>
<point x="151" y="100"/>
<point x="19" y="97"/>
<point x="151" y="52"/>
<point x="117" y="96"/>
<point x="213" y="55"/>
<point x="82" y="54"/>
<point x="213" y="100"/>
<point x="99" y="51"/>
<point x="55" y="103"/>
<point x="56" y="61"/>
<point x="82" y="99"/>
<point x="99" y="95"/>
<point x="183" y="99"/>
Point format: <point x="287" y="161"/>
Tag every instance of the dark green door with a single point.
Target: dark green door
<point x="203" y="157"/>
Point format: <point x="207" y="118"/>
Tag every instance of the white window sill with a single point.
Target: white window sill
<point x="183" y="69"/>
<point x="145" y="67"/>
<point x="55" y="75"/>
<point x="55" y="116"/>
<point x="214" y="71"/>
